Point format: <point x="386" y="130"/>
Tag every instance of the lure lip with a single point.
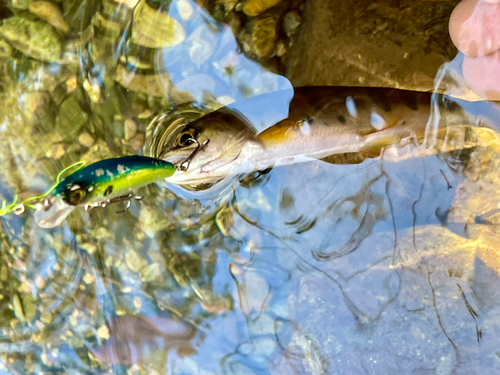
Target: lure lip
<point x="52" y="212"/>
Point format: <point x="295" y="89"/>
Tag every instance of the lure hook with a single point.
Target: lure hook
<point x="184" y="166"/>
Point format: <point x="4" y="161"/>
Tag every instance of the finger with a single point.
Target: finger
<point x="475" y="27"/>
<point x="482" y="74"/>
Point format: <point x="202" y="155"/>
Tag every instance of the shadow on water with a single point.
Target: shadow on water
<point x="366" y="267"/>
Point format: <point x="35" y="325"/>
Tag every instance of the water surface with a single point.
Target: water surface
<point x="313" y="268"/>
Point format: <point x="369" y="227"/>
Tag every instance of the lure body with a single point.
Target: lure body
<point x="110" y="178"/>
<point x="99" y="184"/>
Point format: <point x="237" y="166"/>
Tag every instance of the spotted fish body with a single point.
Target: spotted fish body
<point x="323" y="121"/>
<point x="99" y="183"/>
<point x="326" y="121"/>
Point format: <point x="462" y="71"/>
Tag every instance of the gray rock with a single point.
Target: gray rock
<point x="291" y="21"/>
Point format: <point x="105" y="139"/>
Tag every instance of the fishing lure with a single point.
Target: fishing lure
<point x="97" y="185"/>
<point x="100" y="184"/>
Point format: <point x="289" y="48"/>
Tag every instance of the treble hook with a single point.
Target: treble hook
<point x="184" y="166"/>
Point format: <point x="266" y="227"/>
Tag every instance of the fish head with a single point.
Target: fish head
<point x="220" y="137"/>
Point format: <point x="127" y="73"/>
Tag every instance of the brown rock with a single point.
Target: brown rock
<point x="371" y="43"/>
<point x="264" y="36"/>
<point x="255" y="7"/>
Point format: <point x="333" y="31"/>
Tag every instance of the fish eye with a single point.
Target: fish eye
<point x="76" y="196"/>
<point x="185" y="139"/>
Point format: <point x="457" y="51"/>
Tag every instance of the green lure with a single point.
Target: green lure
<point x="99" y="184"/>
<point x="96" y="185"/>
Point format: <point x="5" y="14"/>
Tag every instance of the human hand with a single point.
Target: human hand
<point x="475" y="31"/>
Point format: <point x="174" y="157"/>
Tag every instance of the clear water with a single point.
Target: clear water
<point x="373" y="268"/>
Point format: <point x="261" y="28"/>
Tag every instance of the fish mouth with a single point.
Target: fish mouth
<point x="194" y="177"/>
<point x="52" y="212"/>
<point x="176" y="158"/>
<point x="206" y="174"/>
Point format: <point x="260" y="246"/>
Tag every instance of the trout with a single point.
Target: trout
<point x="321" y="122"/>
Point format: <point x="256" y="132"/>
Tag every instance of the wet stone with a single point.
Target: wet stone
<point x="150" y="272"/>
<point x="71" y="116"/>
<point x="235" y="21"/>
<point x="137" y="142"/>
<point x="291" y="22"/>
<point x="79" y="14"/>
<point x="50" y="13"/>
<point x="280" y="48"/>
<point x="383" y="44"/>
<point x="225" y="221"/>
<point x="155" y="85"/>
<point x="5" y="49"/>
<point x="134" y="261"/>
<point x="264" y="35"/>
<point x="131" y="128"/>
<point x="86" y="139"/>
<point x="229" y="5"/>
<point x="4" y="272"/>
<point x="93" y="90"/>
<point x="98" y="151"/>
<point x="152" y="221"/>
<point x="155" y="29"/>
<point x="56" y="151"/>
<point x="35" y="39"/>
<point x="255" y="7"/>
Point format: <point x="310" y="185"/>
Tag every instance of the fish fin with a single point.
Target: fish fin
<point x="348" y="158"/>
<point x="374" y="146"/>
<point x="227" y="156"/>
<point x="375" y="143"/>
<point x="280" y="133"/>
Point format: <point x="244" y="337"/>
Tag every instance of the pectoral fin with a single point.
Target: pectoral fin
<point x="347" y="158"/>
<point x="375" y="145"/>
<point x="226" y="157"/>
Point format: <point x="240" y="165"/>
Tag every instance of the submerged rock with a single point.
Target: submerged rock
<point x="264" y="35"/>
<point x="255" y="7"/>
<point x="373" y="43"/>
<point x="291" y="22"/>
<point x="154" y="29"/>
<point x="34" y="39"/>
<point x="71" y="116"/>
<point x="50" y="13"/>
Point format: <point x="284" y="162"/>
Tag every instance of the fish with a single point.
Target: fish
<point x="321" y="122"/>
<point x="99" y="184"/>
<point x="137" y="339"/>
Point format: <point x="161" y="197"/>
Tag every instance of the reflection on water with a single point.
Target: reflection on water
<point x="368" y="267"/>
